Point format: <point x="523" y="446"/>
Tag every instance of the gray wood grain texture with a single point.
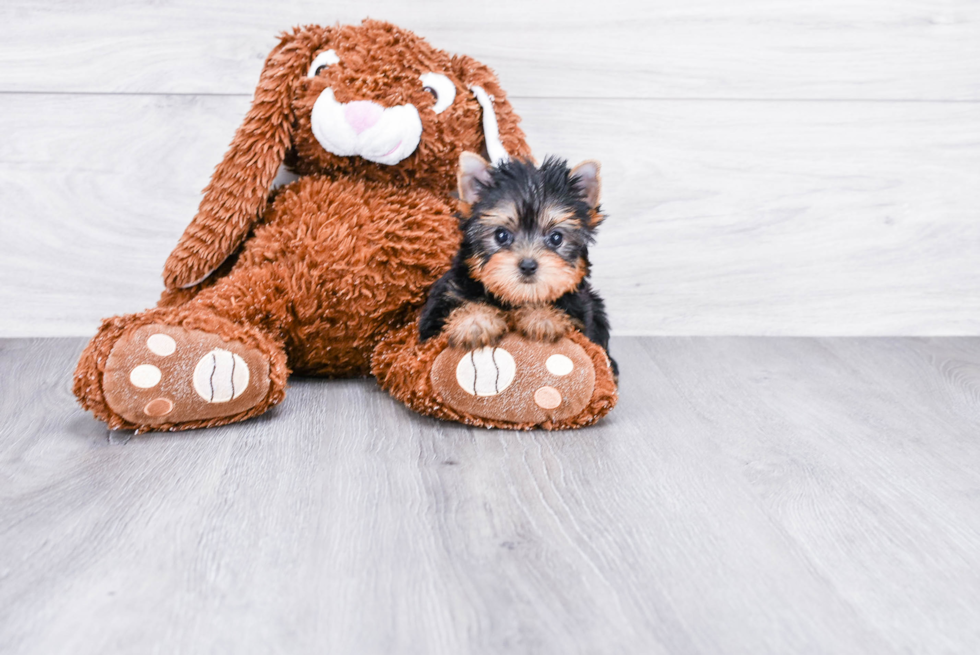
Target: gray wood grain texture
<point x="748" y="495"/>
<point x="725" y="218"/>
<point x="871" y="49"/>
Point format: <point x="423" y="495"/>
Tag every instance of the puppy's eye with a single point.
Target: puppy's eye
<point x="323" y="60"/>
<point x="502" y="237"/>
<point x="441" y="88"/>
<point x="555" y="239"/>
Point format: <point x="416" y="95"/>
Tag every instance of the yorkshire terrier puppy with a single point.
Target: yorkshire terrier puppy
<point x="524" y="262"/>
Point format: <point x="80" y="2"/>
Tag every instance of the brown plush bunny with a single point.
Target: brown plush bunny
<point x="324" y="273"/>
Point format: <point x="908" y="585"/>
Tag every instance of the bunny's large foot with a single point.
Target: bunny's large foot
<point x="160" y="376"/>
<point x="518" y="383"/>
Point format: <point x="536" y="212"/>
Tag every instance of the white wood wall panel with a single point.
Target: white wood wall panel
<point x="893" y="49"/>
<point x="781" y="218"/>
<point x="725" y="217"/>
<point x="771" y="167"/>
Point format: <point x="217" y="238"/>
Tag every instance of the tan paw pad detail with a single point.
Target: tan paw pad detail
<point x="159" y="407"/>
<point x="547" y="397"/>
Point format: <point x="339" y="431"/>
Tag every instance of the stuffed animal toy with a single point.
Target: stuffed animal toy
<point x="326" y="275"/>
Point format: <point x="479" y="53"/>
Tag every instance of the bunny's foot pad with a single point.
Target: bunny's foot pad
<point x="519" y="384"/>
<point x="517" y="381"/>
<point x="163" y="374"/>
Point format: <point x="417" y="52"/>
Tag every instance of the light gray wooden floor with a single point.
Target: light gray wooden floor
<point x="749" y="495"/>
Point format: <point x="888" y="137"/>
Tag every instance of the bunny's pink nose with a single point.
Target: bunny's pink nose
<point x="362" y="114"/>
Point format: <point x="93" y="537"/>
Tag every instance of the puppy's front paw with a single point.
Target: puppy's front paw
<point x="475" y="325"/>
<point x="542" y="323"/>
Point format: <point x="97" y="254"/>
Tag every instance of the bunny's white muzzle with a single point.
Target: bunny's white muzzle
<point x="384" y="135"/>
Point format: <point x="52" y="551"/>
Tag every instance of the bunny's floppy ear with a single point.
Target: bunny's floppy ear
<point x="239" y="187"/>
<point x="491" y="130"/>
<point x="502" y="136"/>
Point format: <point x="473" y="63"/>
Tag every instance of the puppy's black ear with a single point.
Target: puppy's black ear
<point x="474" y="173"/>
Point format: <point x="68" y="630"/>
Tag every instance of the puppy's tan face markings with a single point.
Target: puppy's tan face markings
<point x="553" y="217"/>
<point x="499" y="264"/>
<point x="491" y="222"/>
<point x="503" y="215"/>
<point x="557" y="217"/>
<point x="528" y="227"/>
<point x="502" y="276"/>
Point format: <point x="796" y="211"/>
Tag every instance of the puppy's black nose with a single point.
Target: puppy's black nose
<point x="528" y="266"/>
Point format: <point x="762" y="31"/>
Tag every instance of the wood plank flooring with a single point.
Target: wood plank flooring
<point x="748" y="495"/>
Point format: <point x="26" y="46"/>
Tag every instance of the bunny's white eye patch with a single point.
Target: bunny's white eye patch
<point x="322" y="60"/>
<point x="442" y="88"/>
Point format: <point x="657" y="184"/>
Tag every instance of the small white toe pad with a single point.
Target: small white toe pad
<point x="161" y="344"/>
<point x="145" y="376"/>
<point x="559" y="365"/>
